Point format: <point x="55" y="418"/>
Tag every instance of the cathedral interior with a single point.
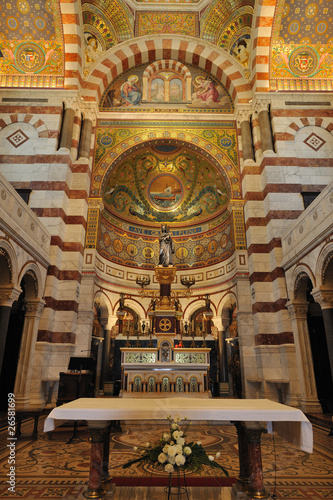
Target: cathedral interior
<point x="210" y="118"/>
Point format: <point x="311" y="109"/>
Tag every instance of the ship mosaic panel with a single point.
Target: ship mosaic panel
<point x="183" y="187"/>
<point x="164" y="86"/>
<point x="31" y="44"/>
<point x="181" y="23"/>
<point x="216" y="142"/>
<point x="301" y="56"/>
<point x="142" y="251"/>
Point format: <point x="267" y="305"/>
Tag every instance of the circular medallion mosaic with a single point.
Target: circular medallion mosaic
<point x="132" y="250"/>
<point x="40" y="23"/>
<point x="118" y="246"/>
<point x="29" y="57"/>
<point x="182" y="253"/>
<point x="294" y="27"/>
<point x="321" y="27"/>
<point x="311" y="10"/>
<point x="48" y="6"/>
<point x="23" y="6"/>
<point x="303" y="61"/>
<point x="165" y="192"/>
<point x="106" y="239"/>
<point x="148" y="253"/>
<point x="12" y="23"/>
<point x="198" y="250"/>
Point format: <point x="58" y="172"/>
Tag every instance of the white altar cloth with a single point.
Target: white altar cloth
<point x="290" y="423"/>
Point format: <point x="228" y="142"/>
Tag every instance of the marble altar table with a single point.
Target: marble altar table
<point x="250" y="416"/>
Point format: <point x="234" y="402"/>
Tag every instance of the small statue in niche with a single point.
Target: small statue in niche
<point x="166" y="248"/>
<point x="207" y="302"/>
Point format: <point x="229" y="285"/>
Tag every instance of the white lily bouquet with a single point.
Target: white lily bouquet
<point x="172" y="453"/>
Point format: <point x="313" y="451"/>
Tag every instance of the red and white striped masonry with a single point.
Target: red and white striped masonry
<point x="148" y="49"/>
<point x="261" y="41"/>
<point x="73" y="43"/>
<point x="29" y="118"/>
<point x="166" y="64"/>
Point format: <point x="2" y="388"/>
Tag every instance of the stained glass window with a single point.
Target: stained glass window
<point x="137" y="384"/>
<point x="151" y="384"/>
<point x="179" y="384"/>
<point x="165" y="384"/>
<point x="193" y="384"/>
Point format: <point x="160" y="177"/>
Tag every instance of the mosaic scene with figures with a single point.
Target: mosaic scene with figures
<point x="166" y="249"/>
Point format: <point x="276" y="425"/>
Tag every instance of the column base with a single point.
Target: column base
<point x="94" y="493"/>
<point x="257" y="494"/>
<point x="311" y="406"/>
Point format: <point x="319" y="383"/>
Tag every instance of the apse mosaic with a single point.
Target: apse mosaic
<point x="32" y="44"/>
<point x="124" y="248"/>
<point x="167" y="85"/>
<point x="181" y="23"/>
<point x="183" y="187"/>
<point x="215" y="142"/>
<point x="302" y="52"/>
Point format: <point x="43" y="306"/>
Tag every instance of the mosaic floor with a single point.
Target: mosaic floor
<point x="52" y="469"/>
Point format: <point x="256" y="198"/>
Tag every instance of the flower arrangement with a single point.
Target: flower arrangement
<point x="172" y="453"/>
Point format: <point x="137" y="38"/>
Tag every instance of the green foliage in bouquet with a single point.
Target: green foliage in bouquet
<point x="172" y="453"/>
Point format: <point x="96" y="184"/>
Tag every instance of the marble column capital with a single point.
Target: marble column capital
<point x="297" y="310"/>
<point x="8" y="294"/>
<point x="34" y="308"/>
<point x="89" y="113"/>
<point x="262" y="105"/>
<point x="217" y="320"/>
<point x="243" y="115"/>
<point x="323" y="297"/>
<point x="72" y="103"/>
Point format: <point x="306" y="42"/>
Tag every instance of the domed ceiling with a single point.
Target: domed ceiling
<point x="172" y="184"/>
<point x="165" y="183"/>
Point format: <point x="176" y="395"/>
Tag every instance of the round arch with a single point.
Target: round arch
<point x="324" y="266"/>
<point x="7" y="253"/>
<point x="148" y="49"/>
<point x="299" y="282"/>
<point x="33" y="280"/>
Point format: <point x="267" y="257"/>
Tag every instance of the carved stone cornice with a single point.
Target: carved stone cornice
<point x="85" y="317"/>
<point x="96" y="203"/>
<point x="8" y="295"/>
<point x="236" y="205"/>
<point x="297" y="310"/>
<point x="323" y="297"/>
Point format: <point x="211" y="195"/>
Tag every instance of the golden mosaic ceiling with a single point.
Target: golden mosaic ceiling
<point x="31" y="43"/>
